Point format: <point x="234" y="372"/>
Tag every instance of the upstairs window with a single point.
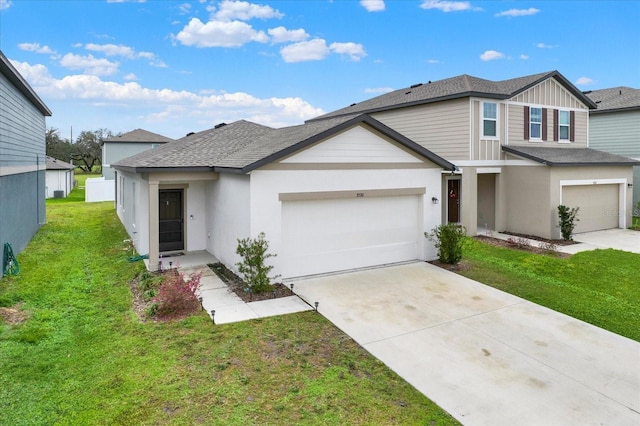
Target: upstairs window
<point x="535" y="123"/>
<point x="563" y="125"/>
<point x="489" y="119"/>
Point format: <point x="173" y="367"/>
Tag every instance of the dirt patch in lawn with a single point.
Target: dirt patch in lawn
<point x="13" y="315"/>
<point x="238" y="286"/>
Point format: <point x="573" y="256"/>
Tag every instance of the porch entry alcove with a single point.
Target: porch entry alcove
<point x="171" y="219"/>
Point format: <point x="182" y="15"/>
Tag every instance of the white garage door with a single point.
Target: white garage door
<point x="320" y="236"/>
<point x="598" y="204"/>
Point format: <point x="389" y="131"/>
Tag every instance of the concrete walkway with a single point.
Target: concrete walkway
<point x="224" y="306"/>
<point x="619" y="239"/>
<point x="486" y="357"/>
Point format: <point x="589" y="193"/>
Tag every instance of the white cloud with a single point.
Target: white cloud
<point x="524" y="57"/>
<point x="313" y="50"/>
<point x="244" y="11"/>
<point x="176" y="110"/>
<point x="355" y="51"/>
<point x="373" y="5"/>
<point x="89" y="64"/>
<point x="219" y="34"/>
<point x="545" y="46"/>
<point x="130" y="77"/>
<point x="448" y="6"/>
<point x="5" y="4"/>
<point x="283" y="35"/>
<point x="518" y="12"/>
<point x="434" y="61"/>
<point x="35" y="47"/>
<point x="111" y="50"/>
<point x="491" y="55"/>
<point x="378" y="90"/>
<point x="184" y="8"/>
<point x="584" y="81"/>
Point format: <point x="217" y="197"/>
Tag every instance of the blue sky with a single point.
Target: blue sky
<point x="173" y="67"/>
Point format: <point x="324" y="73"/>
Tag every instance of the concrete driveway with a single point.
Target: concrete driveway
<point x="486" y="357"/>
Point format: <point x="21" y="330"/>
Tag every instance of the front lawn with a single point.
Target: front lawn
<point x="74" y="352"/>
<point x="600" y="287"/>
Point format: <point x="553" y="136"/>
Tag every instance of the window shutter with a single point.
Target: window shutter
<point x="572" y="126"/>
<point x="544" y="124"/>
<point x="526" y="123"/>
<point x="556" y="125"/>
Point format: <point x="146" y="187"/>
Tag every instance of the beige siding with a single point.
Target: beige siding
<point x="549" y="93"/>
<point x="487" y="148"/>
<point x="441" y="127"/>
<point x="516" y="129"/>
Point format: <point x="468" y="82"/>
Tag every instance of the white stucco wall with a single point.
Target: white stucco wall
<point x="132" y="207"/>
<point x="195" y="220"/>
<point x="227" y="206"/>
<point x="266" y="185"/>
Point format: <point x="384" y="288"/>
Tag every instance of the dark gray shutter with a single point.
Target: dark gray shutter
<point x="556" y="125"/>
<point x="544" y="124"/>
<point x="526" y="123"/>
<point x="572" y="126"/>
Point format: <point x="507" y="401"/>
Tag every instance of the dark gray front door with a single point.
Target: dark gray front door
<point x="453" y="201"/>
<point x="171" y="219"/>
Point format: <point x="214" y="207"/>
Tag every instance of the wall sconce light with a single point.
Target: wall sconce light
<point x="629" y="185"/>
<point x="434" y="200"/>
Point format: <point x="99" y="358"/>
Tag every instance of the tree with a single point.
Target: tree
<point x="57" y="147"/>
<point x="87" y="151"/>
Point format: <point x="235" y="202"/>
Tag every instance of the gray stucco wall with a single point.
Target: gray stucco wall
<point x="22" y="208"/>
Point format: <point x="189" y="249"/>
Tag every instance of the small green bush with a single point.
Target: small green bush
<point x="449" y="240"/>
<point x="568" y="218"/>
<point x="253" y="267"/>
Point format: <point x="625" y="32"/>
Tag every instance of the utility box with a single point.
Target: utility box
<point x="58" y="194"/>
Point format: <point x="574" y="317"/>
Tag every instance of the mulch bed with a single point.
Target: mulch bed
<point x="238" y="286"/>
<point x="534" y="238"/>
<point x="522" y="247"/>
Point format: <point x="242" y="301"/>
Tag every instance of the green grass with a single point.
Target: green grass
<point x="599" y="287"/>
<point x="83" y="357"/>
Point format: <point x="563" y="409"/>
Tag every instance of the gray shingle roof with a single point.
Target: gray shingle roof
<point x="243" y="146"/>
<point x="453" y="88"/>
<point x="54" y="164"/>
<point x="615" y="99"/>
<point x="569" y="156"/>
<point x="139" y="135"/>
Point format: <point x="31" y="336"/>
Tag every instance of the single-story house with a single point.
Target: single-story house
<point x="332" y="195"/>
<point x="126" y="145"/>
<point x="60" y="178"/>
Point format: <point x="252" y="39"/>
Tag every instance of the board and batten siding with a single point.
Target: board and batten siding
<point x="616" y="132"/>
<point x="442" y="127"/>
<point x="22" y="132"/>
<point x="549" y="93"/>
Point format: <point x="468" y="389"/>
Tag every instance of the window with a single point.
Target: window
<point x="535" y="123"/>
<point x="489" y="119"/>
<point x="564" y="124"/>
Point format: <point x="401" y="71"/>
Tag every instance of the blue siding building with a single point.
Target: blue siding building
<point x="22" y="159"/>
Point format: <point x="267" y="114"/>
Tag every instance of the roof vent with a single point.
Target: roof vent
<point x="413" y="86"/>
<point x="598" y="102"/>
<point x="620" y="92"/>
<point x="190" y="133"/>
<point x="353" y="104"/>
<point x="429" y="82"/>
<point x="406" y="93"/>
<point x="217" y="126"/>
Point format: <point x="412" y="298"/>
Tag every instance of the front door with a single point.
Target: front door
<point x="453" y="201"/>
<point x="171" y="219"/>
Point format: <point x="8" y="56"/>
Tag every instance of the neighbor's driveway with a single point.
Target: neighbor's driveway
<point x="619" y="239"/>
<point x="486" y="357"/>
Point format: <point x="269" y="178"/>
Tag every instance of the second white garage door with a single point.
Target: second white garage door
<point x="598" y="204"/>
<point x="320" y="236"/>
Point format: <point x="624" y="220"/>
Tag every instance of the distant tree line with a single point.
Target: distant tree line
<point x="85" y="152"/>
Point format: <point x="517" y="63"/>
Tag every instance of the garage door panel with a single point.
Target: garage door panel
<point x="331" y="235"/>
<point x="599" y="205"/>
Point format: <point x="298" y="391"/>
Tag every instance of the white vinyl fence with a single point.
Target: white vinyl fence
<point x="99" y="189"/>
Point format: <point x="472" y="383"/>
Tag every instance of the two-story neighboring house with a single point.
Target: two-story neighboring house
<point x="521" y="147"/>
<point x="22" y="158"/>
<point x="614" y="126"/>
<point x="128" y="144"/>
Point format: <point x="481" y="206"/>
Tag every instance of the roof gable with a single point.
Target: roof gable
<point x="55" y="164"/>
<point x="139" y="136"/>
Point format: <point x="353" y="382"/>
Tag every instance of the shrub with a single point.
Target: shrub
<point x="254" y="270"/>
<point x="176" y="296"/>
<point x="519" y="242"/>
<point x="568" y="218"/>
<point x="548" y="245"/>
<point x="448" y="240"/>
